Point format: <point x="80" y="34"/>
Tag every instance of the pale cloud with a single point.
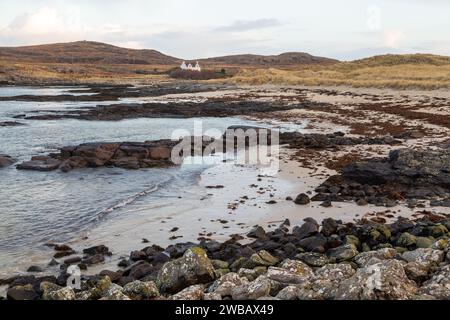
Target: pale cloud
<point x="245" y="25"/>
<point x="393" y="38"/>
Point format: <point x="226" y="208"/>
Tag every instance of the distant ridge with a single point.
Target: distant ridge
<point x="101" y="53"/>
<point x="284" y="59"/>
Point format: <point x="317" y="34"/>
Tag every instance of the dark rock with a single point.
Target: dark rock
<point x="342" y="253"/>
<point x="34" y="269"/>
<point x="96" y="258"/>
<point x="329" y="226"/>
<point x="326" y="204"/>
<point x="44" y="164"/>
<point x="138" y="255"/>
<point x="61" y="254"/>
<point x="314" y="244"/>
<point x="307" y="229"/>
<point x="25" y="292"/>
<point x="6" y="160"/>
<point x="72" y="260"/>
<point x="138" y="270"/>
<point x="302" y="199"/>
<point x="113" y="275"/>
<point x="257" y="232"/>
<point x="101" y="249"/>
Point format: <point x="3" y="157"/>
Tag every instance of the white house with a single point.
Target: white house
<point x="190" y="67"/>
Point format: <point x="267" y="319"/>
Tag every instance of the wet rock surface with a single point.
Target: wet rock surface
<point x="116" y="112"/>
<point x="128" y="155"/>
<point x="405" y="174"/>
<point x="332" y="140"/>
<point x="372" y="262"/>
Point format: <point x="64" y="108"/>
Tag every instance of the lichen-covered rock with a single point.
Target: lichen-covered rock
<point x="65" y="293"/>
<point x="385" y="280"/>
<point x="225" y="284"/>
<point x="140" y="290"/>
<point x="98" y="287"/>
<point x="365" y="258"/>
<point x="252" y="274"/>
<point x="252" y="290"/>
<point x="327" y="279"/>
<point x="219" y="264"/>
<point x="425" y="256"/>
<point x="406" y="240"/>
<point x="417" y="271"/>
<point x="439" y="284"/>
<point x="194" y="292"/>
<point x="263" y="258"/>
<point x="212" y="296"/>
<point x="47" y="287"/>
<point x="313" y="259"/>
<point x="442" y="244"/>
<point x="424" y="242"/>
<point x="289" y="293"/>
<point x="114" y="292"/>
<point x="193" y="267"/>
<point x="286" y="276"/>
<point x="298" y="267"/>
<point x="343" y="253"/>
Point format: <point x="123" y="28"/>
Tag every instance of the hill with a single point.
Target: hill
<point x="85" y="52"/>
<point x="399" y="59"/>
<point x="252" y="60"/>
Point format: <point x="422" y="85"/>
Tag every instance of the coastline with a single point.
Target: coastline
<point x="230" y="200"/>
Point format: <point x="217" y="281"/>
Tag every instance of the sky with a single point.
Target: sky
<point x="346" y="29"/>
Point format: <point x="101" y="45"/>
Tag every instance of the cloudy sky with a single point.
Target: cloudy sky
<point x="346" y="29"/>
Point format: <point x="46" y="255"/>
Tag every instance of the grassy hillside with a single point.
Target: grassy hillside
<point x="387" y="71"/>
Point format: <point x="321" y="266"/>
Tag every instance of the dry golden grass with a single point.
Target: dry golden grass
<point x="23" y="72"/>
<point x="393" y="71"/>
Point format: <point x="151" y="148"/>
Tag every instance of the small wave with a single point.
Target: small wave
<point x="129" y="200"/>
<point x="124" y="202"/>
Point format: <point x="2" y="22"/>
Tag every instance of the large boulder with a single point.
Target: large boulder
<point x="425" y="256"/>
<point x="193" y="267"/>
<point x="385" y="280"/>
<point x="327" y="279"/>
<point x="439" y="284"/>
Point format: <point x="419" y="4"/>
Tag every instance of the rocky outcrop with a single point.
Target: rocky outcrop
<point x="129" y="155"/>
<point x="326" y="141"/>
<point x="405" y="174"/>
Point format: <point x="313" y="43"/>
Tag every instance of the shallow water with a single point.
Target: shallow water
<point x="39" y="207"/>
